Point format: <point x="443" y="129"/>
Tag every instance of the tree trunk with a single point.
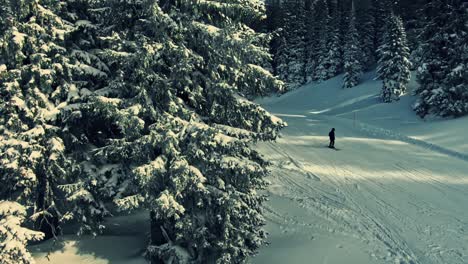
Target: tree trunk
<point x="47" y="224"/>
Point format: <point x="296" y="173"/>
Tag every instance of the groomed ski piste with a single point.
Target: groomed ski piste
<point x="396" y="192"/>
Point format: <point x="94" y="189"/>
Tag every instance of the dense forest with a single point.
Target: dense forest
<point x="316" y="40"/>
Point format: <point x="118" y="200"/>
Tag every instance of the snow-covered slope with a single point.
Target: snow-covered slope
<point x="362" y="103"/>
<point x="396" y="192"/>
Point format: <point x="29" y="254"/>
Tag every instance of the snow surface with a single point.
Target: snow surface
<point x="123" y="242"/>
<point x="396" y="192"/>
<point x="362" y="103"/>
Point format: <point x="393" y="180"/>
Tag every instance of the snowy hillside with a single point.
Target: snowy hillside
<point x="362" y="103"/>
<point x="396" y="192"/>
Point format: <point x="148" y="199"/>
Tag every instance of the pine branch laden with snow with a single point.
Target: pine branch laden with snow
<point x="13" y="236"/>
<point x="442" y="68"/>
<point x="352" y="55"/>
<point x="394" y="65"/>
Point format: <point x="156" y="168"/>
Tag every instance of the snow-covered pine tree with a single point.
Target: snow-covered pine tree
<point x="324" y="68"/>
<point x="168" y="130"/>
<point x="281" y="56"/>
<point x="273" y="26"/>
<point x="291" y="55"/>
<point x="333" y="60"/>
<point x="457" y="79"/>
<point x="273" y="21"/>
<point x="380" y="10"/>
<point x="311" y="42"/>
<point x="413" y="20"/>
<point x="394" y="65"/>
<point x="35" y="85"/>
<point x="441" y="74"/>
<point x="352" y="54"/>
<point x="366" y="29"/>
<point x="137" y="104"/>
<point x="344" y="12"/>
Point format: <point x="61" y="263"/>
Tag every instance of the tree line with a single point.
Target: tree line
<point x="320" y="39"/>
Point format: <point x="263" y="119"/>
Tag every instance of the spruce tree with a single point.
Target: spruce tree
<point x="352" y="54"/>
<point x="441" y="74"/>
<point x="366" y="29"/>
<point x="328" y="46"/>
<point x="380" y="10"/>
<point x="137" y="104"/>
<point x="273" y="21"/>
<point x="333" y="56"/>
<point x="281" y="57"/>
<point x="394" y="65"/>
<point x="413" y="19"/>
<point x="35" y="85"/>
<point x="291" y="54"/>
<point x="311" y="42"/>
<point x="170" y="131"/>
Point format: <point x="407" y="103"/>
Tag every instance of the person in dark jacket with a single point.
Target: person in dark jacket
<point x="332" y="138"/>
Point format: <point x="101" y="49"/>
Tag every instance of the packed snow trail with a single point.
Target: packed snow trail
<point x="381" y="199"/>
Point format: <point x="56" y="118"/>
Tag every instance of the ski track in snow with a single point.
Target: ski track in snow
<point x="402" y="198"/>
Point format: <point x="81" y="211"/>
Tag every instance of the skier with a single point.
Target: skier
<point x="332" y="138"/>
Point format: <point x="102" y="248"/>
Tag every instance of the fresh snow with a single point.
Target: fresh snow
<point x="123" y="242"/>
<point x="395" y="193"/>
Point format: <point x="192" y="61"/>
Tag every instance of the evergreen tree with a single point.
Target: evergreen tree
<point x="137" y="104"/>
<point x="328" y="52"/>
<point x="170" y="131"/>
<point x="281" y="57"/>
<point x="394" y="65"/>
<point x="35" y="84"/>
<point x="380" y="10"/>
<point x="291" y="56"/>
<point x="273" y="21"/>
<point x="352" y="54"/>
<point x="441" y="73"/>
<point x="413" y="19"/>
<point x="344" y="14"/>
<point x="334" y="54"/>
<point x="366" y="29"/>
<point x="311" y="42"/>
